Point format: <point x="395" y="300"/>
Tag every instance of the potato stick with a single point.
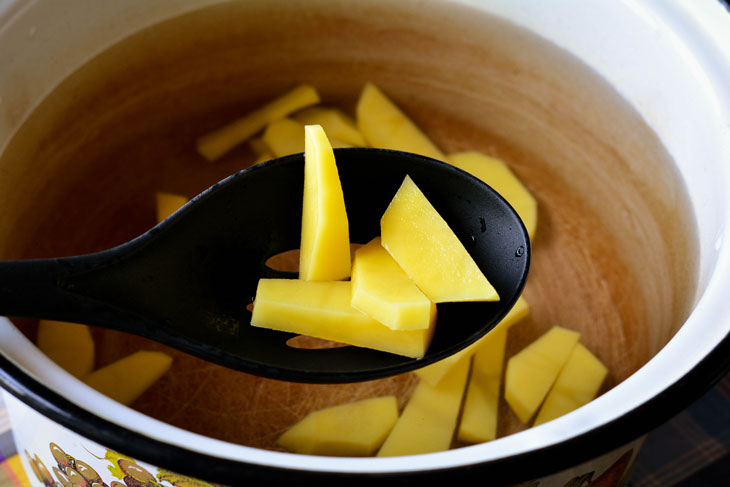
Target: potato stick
<point x="215" y="144"/>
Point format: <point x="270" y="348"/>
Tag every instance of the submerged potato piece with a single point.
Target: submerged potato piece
<point x="263" y="157"/>
<point x="480" y="414"/>
<point x="259" y="147"/>
<point x="354" y="429"/>
<point x="325" y="245"/>
<point x="430" y="253"/>
<point x="215" y="144"/>
<point x="433" y="373"/>
<point x="428" y="421"/>
<point x="382" y="290"/>
<point x="337" y="124"/>
<point x="499" y="176"/>
<point x="337" y="143"/>
<point x="129" y="377"/>
<point x="578" y="383"/>
<point x="260" y="150"/>
<point x="68" y="344"/>
<point x="384" y="125"/>
<point x="284" y="136"/>
<point x="532" y="371"/>
<point x="323" y="309"/>
<point x="168" y="203"/>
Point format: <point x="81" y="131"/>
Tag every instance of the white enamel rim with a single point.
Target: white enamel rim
<point x="686" y="45"/>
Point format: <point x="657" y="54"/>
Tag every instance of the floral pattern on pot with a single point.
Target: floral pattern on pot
<point x="70" y="471"/>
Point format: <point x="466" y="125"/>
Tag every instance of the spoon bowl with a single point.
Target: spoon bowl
<point x="188" y="281"/>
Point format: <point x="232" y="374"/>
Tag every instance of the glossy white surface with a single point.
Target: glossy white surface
<point x="669" y="57"/>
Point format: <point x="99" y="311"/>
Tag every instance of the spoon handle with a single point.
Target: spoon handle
<point x="37" y="288"/>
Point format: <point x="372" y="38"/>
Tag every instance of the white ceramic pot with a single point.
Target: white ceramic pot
<point x="669" y="59"/>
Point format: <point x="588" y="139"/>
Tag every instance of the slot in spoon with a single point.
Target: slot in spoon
<point x="187" y="282"/>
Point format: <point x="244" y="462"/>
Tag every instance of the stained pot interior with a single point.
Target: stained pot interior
<point x="615" y="249"/>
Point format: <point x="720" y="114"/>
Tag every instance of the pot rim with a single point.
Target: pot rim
<point x="553" y="449"/>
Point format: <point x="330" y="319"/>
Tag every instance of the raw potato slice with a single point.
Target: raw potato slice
<point x="430" y="253"/>
<point x="260" y="150"/>
<point x="479" y="417"/>
<point x="127" y="378"/>
<point x="259" y="147"/>
<point x="284" y="136"/>
<point x="428" y="421"/>
<point x="578" y="383"/>
<point x="338" y="125"/>
<point x="498" y="175"/>
<point x="263" y="157"/>
<point x="215" y="144"/>
<point x="532" y="371"/>
<point x="325" y="246"/>
<point x="383" y="291"/>
<point x="68" y="344"/>
<point x="337" y="143"/>
<point x="323" y="310"/>
<point x="354" y="429"/>
<point x="385" y="126"/>
<point x="168" y="203"/>
<point x="433" y="373"/>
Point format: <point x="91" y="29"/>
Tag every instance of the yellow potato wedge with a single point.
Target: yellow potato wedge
<point x="578" y="383"/>
<point x="385" y="125"/>
<point x="428" y="421"/>
<point x="355" y="429"/>
<point x="433" y="373"/>
<point x="430" y="253"/>
<point x="284" y="136"/>
<point x="382" y="290"/>
<point x="480" y="416"/>
<point x="532" y="371"/>
<point x="129" y="377"/>
<point x="323" y="309"/>
<point x="497" y="174"/>
<point x="336" y="123"/>
<point x="215" y="144"/>
<point x="168" y="203"/>
<point x="68" y="344"/>
<point x="325" y="244"/>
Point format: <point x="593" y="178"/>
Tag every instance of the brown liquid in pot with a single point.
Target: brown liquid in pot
<point x="615" y="249"/>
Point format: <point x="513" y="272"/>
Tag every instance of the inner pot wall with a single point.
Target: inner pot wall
<point x="519" y="97"/>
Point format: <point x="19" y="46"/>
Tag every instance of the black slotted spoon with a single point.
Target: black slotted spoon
<point x="187" y="282"/>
